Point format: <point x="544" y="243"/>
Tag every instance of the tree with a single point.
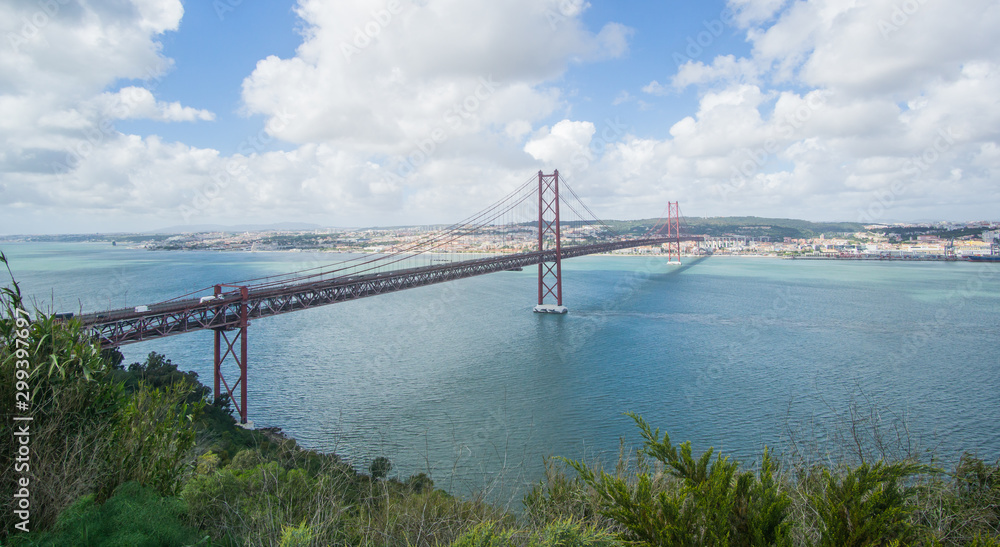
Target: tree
<point x="380" y="467"/>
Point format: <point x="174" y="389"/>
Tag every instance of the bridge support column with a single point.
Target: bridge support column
<point x="673" y="232"/>
<point x="549" y="272"/>
<point x="226" y="346"/>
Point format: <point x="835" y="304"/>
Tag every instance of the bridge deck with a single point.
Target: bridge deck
<point x="125" y="326"/>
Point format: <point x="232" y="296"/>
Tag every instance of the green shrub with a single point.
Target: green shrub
<point x="296" y="536"/>
<point x="868" y="504"/>
<point x="965" y="509"/>
<point x="380" y="467"/>
<point x="153" y="435"/>
<point x="561" y="533"/>
<point x="254" y="501"/>
<point x="158" y="372"/>
<point x="71" y="407"/>
<point x="566" y="533"/>
<point x="698" y="502"/>
<point x="984" y="541"/>
<point x="558" y="497"/>
<point x="399" y="517"/>
<point x="485" y="534"/>
<point x="89" y="435"/>
<point x="133" y="517"/>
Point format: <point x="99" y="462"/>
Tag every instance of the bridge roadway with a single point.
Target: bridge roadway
<point x="126" y="326"/>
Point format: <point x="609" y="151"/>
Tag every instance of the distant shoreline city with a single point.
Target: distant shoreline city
<point x="735" y="236"/>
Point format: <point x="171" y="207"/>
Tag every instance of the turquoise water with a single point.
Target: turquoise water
<point x="462" y="381"/>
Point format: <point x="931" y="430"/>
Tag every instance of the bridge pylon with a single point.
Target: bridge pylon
<point x="226" y="346"/>
<point x="550" y="271"/>
<point x="673" y="232"/>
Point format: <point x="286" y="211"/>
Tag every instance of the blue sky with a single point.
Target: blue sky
<point x="136" y="114"/>
<point x="212" y="55"/>
<point x="217" y="46"/>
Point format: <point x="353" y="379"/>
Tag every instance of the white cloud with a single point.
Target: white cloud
<point x="622" y="97"/>
<point x="399" y="106"/>
<point x="654" y="88"/>
<point x="76" y="49"/>
<point x="517" y="129"/>
<point x="723" y="68"/>
<point x="457" y="65"/>
<point x="138" y="103"/>
<point x="748" y="12"/>
<point x="55" y="111"/>
<point x="158" y="16"/>
<point x="563" y="144"/>
<point x="838" y="101"/>
<point x="876" y="47"/>
<point x="613" y="39"/>
<point x="409" y="108"/>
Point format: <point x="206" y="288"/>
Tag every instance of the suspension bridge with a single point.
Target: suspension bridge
<point x="229" y="307"/>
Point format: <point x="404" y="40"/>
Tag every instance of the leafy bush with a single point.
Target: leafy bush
<point x="558" y="496"/>
<point x="485" y="534"/>
<point x="134" y="516"/>
<point x="697" y="502"/>
<point x="567" y="533"/>
<point x="71" y="409"/>
<point x="964" y="510"/>
<point x="158" y="372"/>
<point x="978" y="487"/>
<point x="561" y="533"/>
<point x="395" y="516"/>
<point x="296" y="536"/>
<point x="254" y="501"/>
<point x="380" y="467"/>
<point x="152" y="436"/>
<point x="867" y="505"/>
<point x="89" y="435"/>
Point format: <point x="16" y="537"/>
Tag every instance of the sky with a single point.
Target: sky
<point x="132" y="115"/>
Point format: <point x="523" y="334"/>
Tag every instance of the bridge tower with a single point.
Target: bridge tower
<point x="673" y="232"/>
<point x="549" y="271"/>
<point x="226" y="347"/>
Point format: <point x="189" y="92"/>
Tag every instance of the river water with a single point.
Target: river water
<point x="464" y="382"/>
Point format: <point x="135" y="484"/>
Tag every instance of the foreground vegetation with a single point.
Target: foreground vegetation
<point x="139" y="455"/>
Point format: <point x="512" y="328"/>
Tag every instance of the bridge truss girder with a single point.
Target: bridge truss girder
<point x="229" y="314"/>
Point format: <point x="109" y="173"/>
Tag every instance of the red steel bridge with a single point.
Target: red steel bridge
<point x="229" y="308"/>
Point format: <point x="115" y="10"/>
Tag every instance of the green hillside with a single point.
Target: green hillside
<point x="775" y="228"/>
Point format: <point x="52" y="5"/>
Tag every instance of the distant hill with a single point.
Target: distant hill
<point x="789" y="227"/>
<point x="196" y="228"/>
<point x="775" y="228"/>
